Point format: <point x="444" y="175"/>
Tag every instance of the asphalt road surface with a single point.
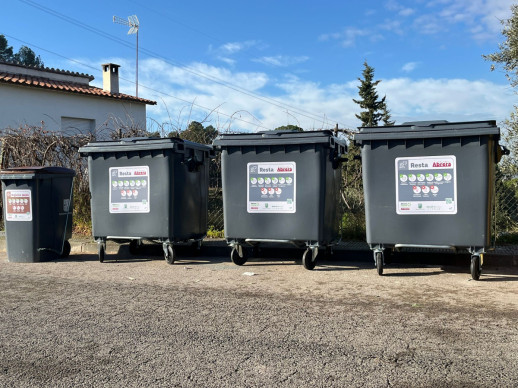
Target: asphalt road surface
<point x="205" y="322"/>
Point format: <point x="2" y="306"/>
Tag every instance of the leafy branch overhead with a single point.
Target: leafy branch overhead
<point x="507" y="56"/>
<point x="24" y="56"/>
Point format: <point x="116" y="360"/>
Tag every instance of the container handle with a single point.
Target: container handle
<point x="192" y="163"/>
<point x="337" y="155"/>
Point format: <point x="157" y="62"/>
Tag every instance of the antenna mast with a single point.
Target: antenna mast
<point x="133" y="23"/>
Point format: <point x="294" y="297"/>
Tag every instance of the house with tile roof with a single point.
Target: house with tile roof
<point x="66" y="101"/>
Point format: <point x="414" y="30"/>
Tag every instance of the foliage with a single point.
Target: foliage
<point x="385" y="114"/>
<point x="507" y="56"/>
<point x="290" y="127"/>
<point x="24" y="56"/>
<point x="6" y="51"/>
<point x="215" y="233"/>
<point x="27" y="57"/>
<point x="197" y="133"/>
<point x="370" y="102"/>
<point x="353" y="220"/>
<point x="507" y="172"/>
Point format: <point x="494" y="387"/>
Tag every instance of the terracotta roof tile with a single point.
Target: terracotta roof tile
<point x="46" y="83"/>
<point x="48" y="69"/>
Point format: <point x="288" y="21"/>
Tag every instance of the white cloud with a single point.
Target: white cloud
<point x="406" y="12"/>
<point x="235" y="47"/>
<point x="450" y="99"/>
<point x="225" y="52"/>
<point x="310" y="105"/>
<point x="401" y="10"/>
<point x="347" y="37"/>
<point x="481" y="17"/>
<point x="281" y="60"/>
<point x="429" y="24"/>
<point x="409" y="67"/>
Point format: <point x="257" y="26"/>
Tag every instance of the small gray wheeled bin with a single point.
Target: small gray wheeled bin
<point x="281" y="186"/>
<point x="153" y="189"/>
<point x="37" y="212"/>
<point x="430" y="185"/>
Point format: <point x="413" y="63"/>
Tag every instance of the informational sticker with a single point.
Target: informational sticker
<point x="129" y="189"/>
<point x="18" y="205"/>
<point x="426" y="185"/>
<point x="271" y="187"/>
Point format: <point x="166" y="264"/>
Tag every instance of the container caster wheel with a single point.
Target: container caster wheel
<point x="378" y="256"/>
<point x="134" y="246"/>
<point x="476" y="267"/>
<point x="307" y="260"/>
<point x="169" y="255"/>
<point x="100" y="252"/>
<point x="66" y="249"/>
<point x="236" y="258"/>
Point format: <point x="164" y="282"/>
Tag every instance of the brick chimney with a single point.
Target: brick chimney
<point x="111" y="77"/>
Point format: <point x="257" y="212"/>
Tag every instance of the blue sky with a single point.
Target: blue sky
<point x="255" y="65"/>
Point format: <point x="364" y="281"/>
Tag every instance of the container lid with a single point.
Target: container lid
<point x="141" y="144"/>
<point x="277" y="138"/>
<point x="428" y="129"/>
<point x="39" y="171"/>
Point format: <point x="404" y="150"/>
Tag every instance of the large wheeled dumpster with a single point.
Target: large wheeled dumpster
<point x="430" y="185"/>
<point x="148" y="189"/>
<point x="37" y="212"/>
<point x="281" y="186"/>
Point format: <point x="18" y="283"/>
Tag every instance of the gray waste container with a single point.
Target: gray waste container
<point x="37" y="212"/>
<point x="148" y="189"/>
<point x="431" y="185"/>
<point x="281" y="186"/>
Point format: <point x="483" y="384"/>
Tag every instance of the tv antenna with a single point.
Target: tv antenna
<point x="133" y="23"/>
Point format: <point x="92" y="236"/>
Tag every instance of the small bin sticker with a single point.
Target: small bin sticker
<point x="426" y="185"/>
<point x="271" y="187"/>
<point x="129" y="189"/>
<point x="18" y="205"/>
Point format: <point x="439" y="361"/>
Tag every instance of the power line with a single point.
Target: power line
<point x="150" y="53"/>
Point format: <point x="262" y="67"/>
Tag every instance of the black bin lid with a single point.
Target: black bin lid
<point x="28" y="172"/>
<point x="277" y="138"/>
<point x="141" y="144"/>
<point x="428" y="129"/>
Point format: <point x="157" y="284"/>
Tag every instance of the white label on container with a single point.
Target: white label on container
<point x="129" y="189"/>
<point x="426" y="185"/>
<point x="271" y="187"/>
<point x="18" y="205"/>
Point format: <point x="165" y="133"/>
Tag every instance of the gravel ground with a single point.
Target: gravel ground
<point x="204" y="322"/>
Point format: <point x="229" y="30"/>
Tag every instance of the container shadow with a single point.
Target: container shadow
<point x="497" y="278"/>
<point x="412" y="274"/>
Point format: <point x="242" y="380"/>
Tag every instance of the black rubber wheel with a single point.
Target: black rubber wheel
<point x="134" y="247"/>
<point x="307" y="260"/>
<point x="66" y="249"/>
<point x="379" y="263"/>
<point x="475" y="267"/>
<point x="236" y="259"/>
<point x="101" y="252"/>
<point x="169" y="256"/>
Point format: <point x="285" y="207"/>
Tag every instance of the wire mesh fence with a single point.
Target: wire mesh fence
<point x="35" y="146"/>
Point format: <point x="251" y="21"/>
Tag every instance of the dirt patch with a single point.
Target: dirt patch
<point x="203" y="322"/>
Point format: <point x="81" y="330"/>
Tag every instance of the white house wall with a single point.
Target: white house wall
<point x="20" y="105"/>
